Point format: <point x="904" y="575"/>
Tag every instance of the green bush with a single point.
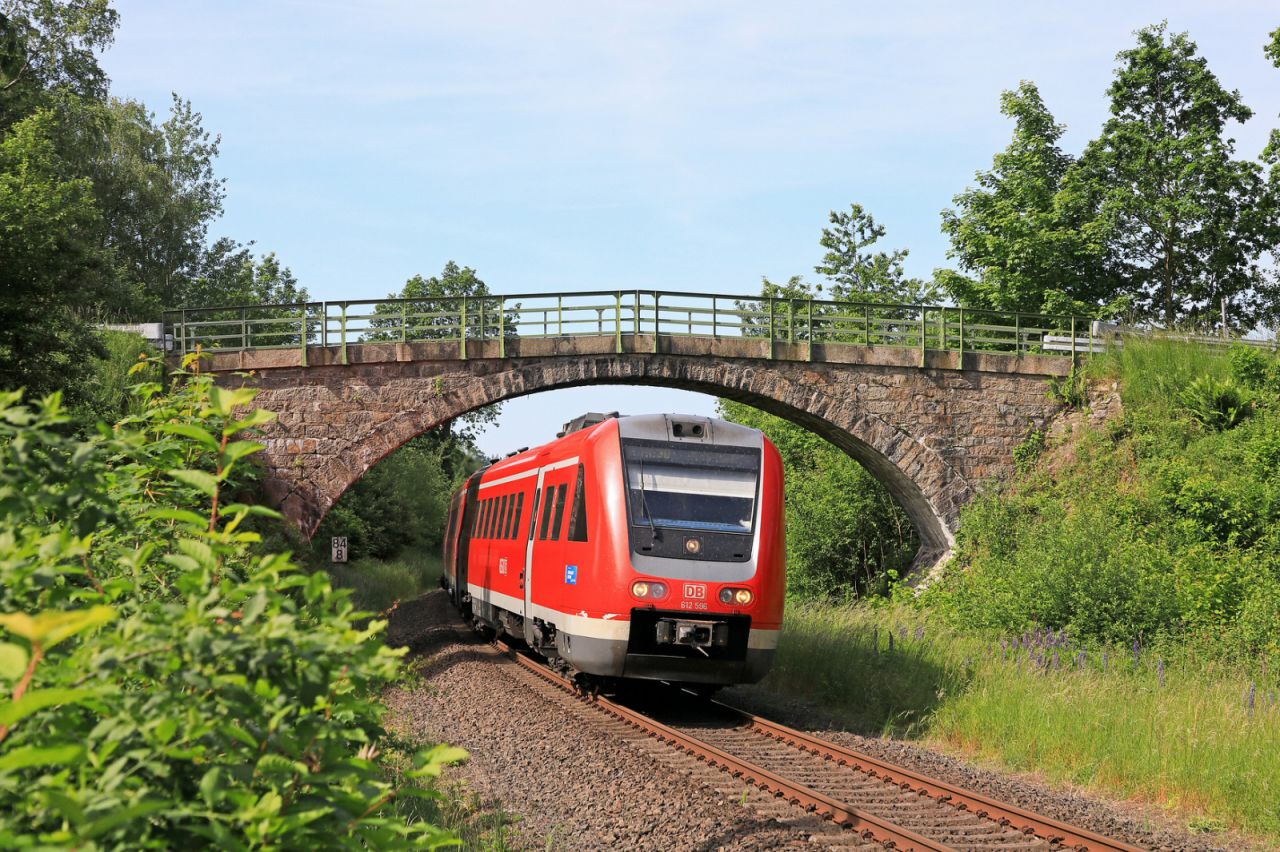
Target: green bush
<point x="1156" y="526"/>
<point x="169" y="683"/>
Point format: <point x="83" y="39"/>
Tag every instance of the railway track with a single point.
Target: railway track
<point x="879" y="804"/>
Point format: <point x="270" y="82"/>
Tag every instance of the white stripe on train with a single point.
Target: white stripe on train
<point x="609" y="627"/>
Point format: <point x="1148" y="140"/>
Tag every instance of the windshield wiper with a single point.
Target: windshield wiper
<point x="644" y="507"/>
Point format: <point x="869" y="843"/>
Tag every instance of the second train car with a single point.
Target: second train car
<point x="649" y="547"/>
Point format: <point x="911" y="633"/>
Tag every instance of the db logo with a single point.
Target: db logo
<point x="695" y="591"/>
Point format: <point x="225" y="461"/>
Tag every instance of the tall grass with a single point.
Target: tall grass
<point x="1183" y="731"/>
<point x="1153" y="370"/>
<point x="376" y="584"/>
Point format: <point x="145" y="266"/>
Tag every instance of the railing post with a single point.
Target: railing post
<point x="942" y="328"/>
<point x="304" y="335"/>
<point x="560" y="315"/>
<point x="244" y="328"/>
<point x="962" y="338"/>
<point x="924" y="313"/>
<point x="657" y="298"/>
<point x="810" y="328"/>
<point x="715" y="318"/>
<point x="1073" y="342"/>
<point x="404" y="322"/>
<point x="462" y="337"/>
<point x="617" y="322"/>
<point x="1017" y="333"/>
<point x="324" y="327"/>
<point x="791" y="321"/>
<point x="502" y="326"/>
<point x="482" y="324"/>
<point x="636" y="317"/>
<point x="770" y="327"/>
<point x="182" y="333"/>
<point x="866" y="325"/>
<point x="343" y="329"/>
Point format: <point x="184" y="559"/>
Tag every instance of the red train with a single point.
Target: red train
<point x="647" y="547"/>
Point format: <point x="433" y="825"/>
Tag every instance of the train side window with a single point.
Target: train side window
<point x="578" y="515"/>
<point x="484" y="518"/>
<point x="475" y="521"/>
<point x="546" y="513"/>
<point x="501" y="531"/>
<point x="515" y="516"/>
<point x="533" y="515"/>
<point x="555" y="525"/>
<point x="488" y="518"/>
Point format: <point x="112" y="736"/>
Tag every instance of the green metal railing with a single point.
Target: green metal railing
<point x="635" y="319"/>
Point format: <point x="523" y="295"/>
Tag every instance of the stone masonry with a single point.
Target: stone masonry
<point x="933" y="434"/>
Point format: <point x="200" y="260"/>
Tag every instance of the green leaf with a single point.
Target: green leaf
<point x="254" y="419"/>
<point x="252" y="509"/>
<point x="240" y="734"/>
<point x="199" y="479"/>
<point x="186" y="516"/>
<point x="50" y="628"/>
<point x="118" y="817"/>
<point x="13" y="661"/>
<point x="223" y="401"/>
<point x="211" y="785"/>
<point x="190" y="430"/>
<point x="22" y="758"/>
<point x="36" y="700"/>
<point x="254" y="607"/>
<point x="237" y="450"/>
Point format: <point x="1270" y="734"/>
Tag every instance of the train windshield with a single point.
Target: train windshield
<point x="710" y="488"/>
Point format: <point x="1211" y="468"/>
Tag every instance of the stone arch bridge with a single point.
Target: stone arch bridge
<point x="933" y="422"/>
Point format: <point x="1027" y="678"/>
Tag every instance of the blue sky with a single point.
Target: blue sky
<point x="590" y="145"/>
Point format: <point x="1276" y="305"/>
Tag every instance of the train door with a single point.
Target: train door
<point x="470" y="505"/>
<point x="546" y="532"/>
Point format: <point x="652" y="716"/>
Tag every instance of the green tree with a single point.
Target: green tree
<point x="858" y="272"/>
<point x="49" y="265"/>
<point x="156" y="188"/>
<point x="1184" y="218"/>
<point x="1024" y="248"/>
<point x="48" y="47"/>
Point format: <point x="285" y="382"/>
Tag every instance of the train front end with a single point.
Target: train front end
<point x="704" y="538"/>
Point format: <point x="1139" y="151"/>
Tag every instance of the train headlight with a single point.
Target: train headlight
<point x="646" y="589"/>
<point x="741" y="597"/>
<point x="692" y="546"/>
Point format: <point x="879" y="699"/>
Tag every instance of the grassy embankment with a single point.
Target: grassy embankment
<point x="1150" y="547"/>
<point x="376" y="584"/>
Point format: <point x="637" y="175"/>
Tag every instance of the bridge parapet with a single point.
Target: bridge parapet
<point x="500" y="326"/>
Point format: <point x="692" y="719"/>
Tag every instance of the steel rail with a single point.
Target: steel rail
<point x="1028" y="822"/>
<point x="869" y="826"/>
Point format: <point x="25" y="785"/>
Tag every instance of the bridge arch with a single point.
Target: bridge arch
<point x="907" y="428"/>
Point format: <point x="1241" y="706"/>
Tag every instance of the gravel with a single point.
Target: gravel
<point x="558" y="764"/>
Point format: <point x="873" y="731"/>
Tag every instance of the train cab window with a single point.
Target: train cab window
<point x="578" y="515"/>
<point x="533" y="514"/>
<point x="559" y="512"/>
<point x="547" y="505"/>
